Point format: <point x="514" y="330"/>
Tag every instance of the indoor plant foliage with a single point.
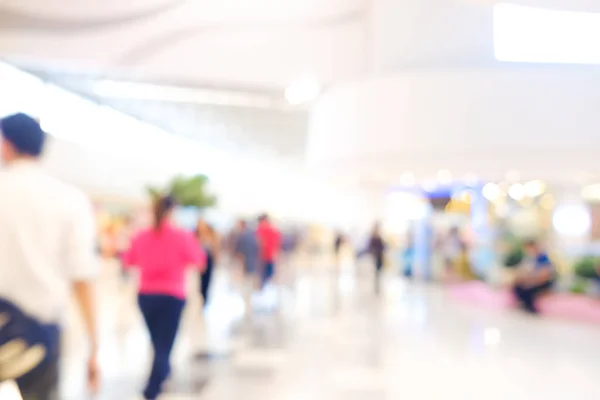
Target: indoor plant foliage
<point x="515" y="255"/>
<point x="587" y="267"/>
<point x="586" y="273"/>
<point x="188" y="191"/>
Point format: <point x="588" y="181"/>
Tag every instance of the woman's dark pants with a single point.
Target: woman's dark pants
<point x="162" y="314"/>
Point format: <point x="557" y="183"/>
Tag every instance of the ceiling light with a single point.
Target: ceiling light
<point x="535" y="188"/>
<point x="591" y="192"/>
<point x="178" y="94"/>
<point x="303" y="91"/>
<point x="572" y="220"/>
<point x="491" y="192"/>
<point x="517" y="191"/>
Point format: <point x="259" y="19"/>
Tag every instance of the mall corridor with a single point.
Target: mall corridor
<point x="413" y="342"/>
<point x="152" y="151"/>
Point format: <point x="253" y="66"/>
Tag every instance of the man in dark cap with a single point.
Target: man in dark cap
<point x="47" y="238"/>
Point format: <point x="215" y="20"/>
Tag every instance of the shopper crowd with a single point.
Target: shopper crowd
<point x="48" y="248"/>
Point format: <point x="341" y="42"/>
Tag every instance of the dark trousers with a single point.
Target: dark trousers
<point x="268" y="271"/>
<point x="162" y="314"/>
<point x="43" y="382"/>
<point x="205" y="281"/>
<point x="42" y="385"/>
<point x="206" y="278"/>
<point x="527" y="296"/>
<point x="378" y="270"/>
<point x="38" y="381"/>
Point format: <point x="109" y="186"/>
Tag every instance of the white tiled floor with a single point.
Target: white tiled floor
<point x="414" y="342"/>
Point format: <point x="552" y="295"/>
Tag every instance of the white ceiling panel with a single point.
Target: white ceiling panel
<point x="197" y="41"/>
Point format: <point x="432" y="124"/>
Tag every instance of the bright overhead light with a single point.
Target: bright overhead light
<point x="535" y="188"/>
<point x="572" y="219"/>
<point x="491" y="192"/>
<point x="517" y="191"/>
<point x="591" y="192"/>
<point x="303" y="91"/>
<point x="177" y="94"/>
<point x="559" y="36"/>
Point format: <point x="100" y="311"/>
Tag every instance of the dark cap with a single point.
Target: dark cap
<point x="24" y="133"/>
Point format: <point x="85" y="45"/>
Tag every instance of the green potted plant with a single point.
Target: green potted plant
<point x="188" y="191"/>
<point x="586" y="271"/>
<point x="515" y="255"/>
<point x="587" y="267"/>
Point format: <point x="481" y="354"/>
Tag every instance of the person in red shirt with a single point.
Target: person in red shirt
<point x="269" y="240"/>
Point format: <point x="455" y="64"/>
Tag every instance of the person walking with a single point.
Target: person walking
<point x="377" y="247"/>
<point x="269" y="240"/>
<point x="162" y="253"/>
<point x="47" y="252"/>
<point x="211" y="243"/>
<point x="338" y="244"/>
<point x="247" y="251"/>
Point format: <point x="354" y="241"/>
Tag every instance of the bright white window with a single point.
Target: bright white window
<point x="536" y="35"/>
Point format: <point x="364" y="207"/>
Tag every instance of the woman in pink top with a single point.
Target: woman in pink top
<point x="162" y="254"/>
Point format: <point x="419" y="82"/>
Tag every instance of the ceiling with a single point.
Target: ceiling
<point x="255" y="49"/>
<point x="191" y="42"/>
<point x="254" y="124"/>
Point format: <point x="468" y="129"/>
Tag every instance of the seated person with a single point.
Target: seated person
<point x="535" y="278"/>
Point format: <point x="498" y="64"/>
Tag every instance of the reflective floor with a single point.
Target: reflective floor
<point x="324" y="335"/>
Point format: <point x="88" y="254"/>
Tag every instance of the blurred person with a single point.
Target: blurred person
<point x="376" y="249"/>
<point x="339" y="241"/>
<point x="211" y="243"/>
<point x="290" y="242"/>
<point x="535" y="278"/>
<point x="247" y="250"/>
<point x="162" y="253"/>
<point x="229" y="242"/>
<point x="462" y="265"/>
<point x="408" y="257"/>
<point x="47" y="251"/>
<point x="269" y="240"/>
<point x="451" y="247"/>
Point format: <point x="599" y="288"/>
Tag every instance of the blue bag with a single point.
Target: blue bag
<point x="27" y="346"/>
